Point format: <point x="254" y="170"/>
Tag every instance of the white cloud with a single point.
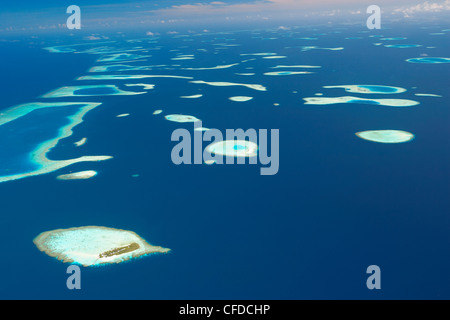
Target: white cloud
<point x="300" y="7"/>
<point x="427" y="6"/>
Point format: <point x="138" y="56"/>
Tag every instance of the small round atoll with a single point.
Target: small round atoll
<point x="94" y="245"/>
<point x="233" y="148"/>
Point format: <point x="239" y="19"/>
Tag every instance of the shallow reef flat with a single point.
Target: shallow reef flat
<point x="22" y="110"/>
<point x="201" y="129"/>
<point x="212" y="68"/>
<point x="25" y="152"/>
<point x="81" y="175"/>
<point x="80" y="142"/>
<point x="359" y="88"/>
<point x="307" y="48"/>
<point x="402" y="46"/>
<point x="118" y="67"/>
<point x="393" y="39"/>
<point x="94" y="245"/>
<point x="111" y="50"/>
<point x="88" y="91"/>
<point x="194" y="96"/>
<point x="428" y="95"/>
<point x="183" y="58"/>
<point x="386" y="136"/>
<point x="274" y="57"/>
<point x="128" y="76"/>
<point x="259" y="54"/>
<point x="381" y="102"/>
<point x="295" y="66"/>
<point x="122" y="57"/>
<point x="181" y="118"/>
<point x="429" y="60"/>
<point x="145" y="86"/>
<point x="228" y="84"/>
<point x="240" y="98"/>
<point x="286" y="73"/>
<point x="73" y="47"/>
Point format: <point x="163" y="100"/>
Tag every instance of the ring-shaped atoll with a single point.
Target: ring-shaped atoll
<point x="363" y="88"/>
<point x="429" y="60"/>
<point x="88" y="91"/>
<point x="27" y="152"/>
<point x="233" y="148"/>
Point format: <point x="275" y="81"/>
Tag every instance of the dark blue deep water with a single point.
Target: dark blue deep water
<point x="337" y="205"/>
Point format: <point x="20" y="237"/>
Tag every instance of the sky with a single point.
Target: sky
<point x="48" y="14"/>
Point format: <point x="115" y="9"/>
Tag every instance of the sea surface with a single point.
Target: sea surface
<point x="337" y="204"/>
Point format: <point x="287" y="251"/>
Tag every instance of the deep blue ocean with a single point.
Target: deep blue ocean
<point x="337" y="204"/>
